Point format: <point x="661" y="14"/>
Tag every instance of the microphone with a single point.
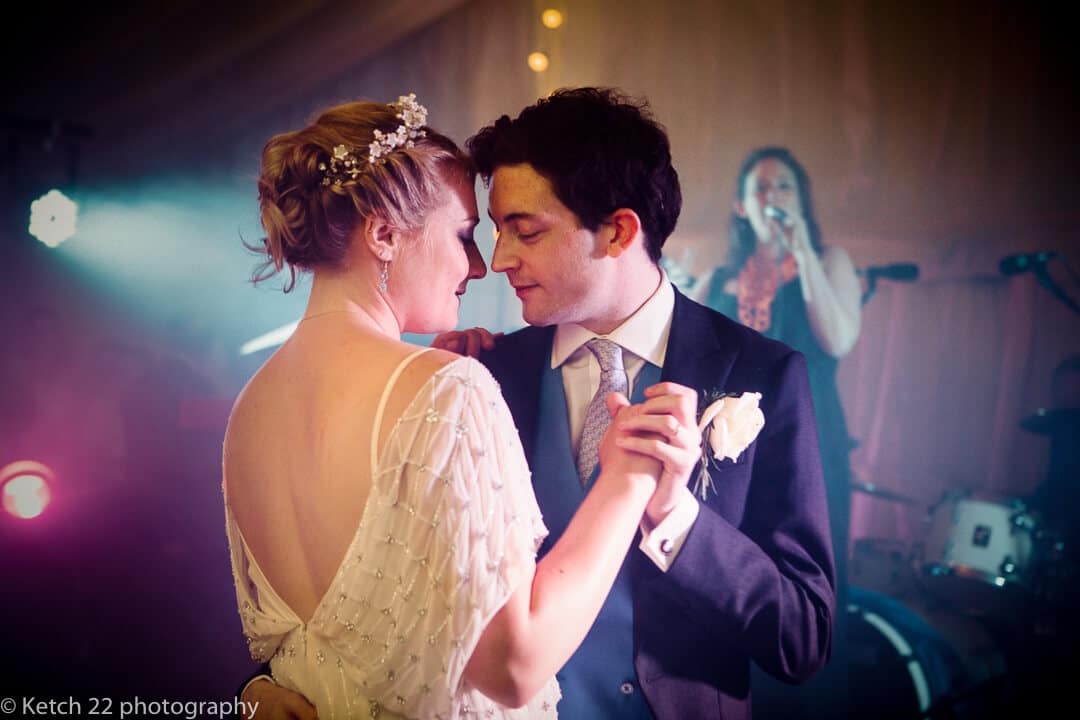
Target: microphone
<point x="771" y="211"/>
<point x="900" y="272"/>
<point x="1014" y="264"/>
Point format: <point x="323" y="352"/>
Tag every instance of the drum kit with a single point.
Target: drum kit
<point x="982" y="553"/>
<point x="965" y="613"/>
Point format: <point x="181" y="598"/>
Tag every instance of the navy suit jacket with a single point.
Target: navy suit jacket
<point x="755" y="579"/>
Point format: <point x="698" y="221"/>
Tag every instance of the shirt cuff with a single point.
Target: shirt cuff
<point x="663" y="543"/>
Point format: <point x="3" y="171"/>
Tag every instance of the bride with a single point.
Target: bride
<point x="381" y="521"/>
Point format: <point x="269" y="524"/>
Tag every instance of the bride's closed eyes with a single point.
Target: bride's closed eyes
<point x="467" y="234"/>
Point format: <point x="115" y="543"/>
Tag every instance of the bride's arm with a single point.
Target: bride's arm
<point x="544" y="621"/>
<point x="541" y="626"/>
<point x="263" y="699"/>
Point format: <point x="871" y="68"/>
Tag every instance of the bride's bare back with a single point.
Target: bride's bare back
<point x="297" y="452"/>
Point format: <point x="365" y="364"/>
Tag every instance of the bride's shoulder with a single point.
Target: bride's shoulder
<point x="421" y="364"/>
<point x="459" y="374"/>
<point x="445" y="371"/>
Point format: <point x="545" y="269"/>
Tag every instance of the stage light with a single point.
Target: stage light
<point x="551" y="18"/>
<point x="268" y="340"/>
<point x="53" y="217"/>
<point x="25" y="488"/>
<point x="538" y="62"/>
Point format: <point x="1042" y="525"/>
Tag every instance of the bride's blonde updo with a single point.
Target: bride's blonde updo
<point x="310" y="222"/>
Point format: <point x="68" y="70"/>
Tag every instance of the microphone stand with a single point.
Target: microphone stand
<point x="1048" y="282"/>
<point x="871" y="287"/>
<point x="905" y="272"/>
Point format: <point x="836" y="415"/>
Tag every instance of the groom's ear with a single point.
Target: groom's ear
<point x="380" y="238"/>
<point x="620" y="230"/>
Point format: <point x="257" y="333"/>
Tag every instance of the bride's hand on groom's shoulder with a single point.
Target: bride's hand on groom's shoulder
<point x="469" y="342"/>
<point x="273" y="702"/>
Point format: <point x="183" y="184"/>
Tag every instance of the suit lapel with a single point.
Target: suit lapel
<point x="697" y="354"/>
<point x="518" y="362"/>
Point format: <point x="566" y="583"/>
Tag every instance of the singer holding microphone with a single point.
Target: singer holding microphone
<point x="781" y="280"/>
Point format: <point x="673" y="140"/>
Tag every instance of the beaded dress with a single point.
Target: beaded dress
<point x="449" y="531"/>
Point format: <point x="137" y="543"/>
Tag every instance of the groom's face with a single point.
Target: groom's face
<point x="553" y="263"/>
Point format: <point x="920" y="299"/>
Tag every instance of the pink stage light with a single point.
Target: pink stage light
<point x="25" y="488"/>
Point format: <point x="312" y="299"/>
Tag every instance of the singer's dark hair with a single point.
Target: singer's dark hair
<point x="741" y="237"/>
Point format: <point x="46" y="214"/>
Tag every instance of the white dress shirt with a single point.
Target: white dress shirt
<point x="643" y="338"/>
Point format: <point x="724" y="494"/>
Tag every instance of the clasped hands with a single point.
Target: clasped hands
<point x="663" y="428"/>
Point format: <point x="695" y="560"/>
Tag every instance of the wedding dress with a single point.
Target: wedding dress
<point x="449" y="531"/>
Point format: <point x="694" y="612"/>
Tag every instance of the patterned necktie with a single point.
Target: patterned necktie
<point x="597" y="419"/>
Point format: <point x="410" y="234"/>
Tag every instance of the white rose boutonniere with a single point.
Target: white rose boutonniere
<point x="727" y="428"/>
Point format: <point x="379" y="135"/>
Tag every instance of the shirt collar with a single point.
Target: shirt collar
<point x="645" y="333"/>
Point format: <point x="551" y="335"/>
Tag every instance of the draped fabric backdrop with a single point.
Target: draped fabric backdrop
<point x="940" y="134"/>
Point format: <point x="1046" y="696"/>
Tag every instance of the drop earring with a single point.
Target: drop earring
<point x="384" y="275"/>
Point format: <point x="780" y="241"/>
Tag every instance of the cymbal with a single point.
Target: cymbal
<point x="878" y="492"/>
<point x="1046" y="421"/>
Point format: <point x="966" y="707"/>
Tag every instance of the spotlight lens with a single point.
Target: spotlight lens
<point x="551" y="18"/>
<point x="52" y="218"/>
<point x="25" y="496"/>
<point x="538" y="61"/>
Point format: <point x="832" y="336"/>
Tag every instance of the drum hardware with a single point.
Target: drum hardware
<point x="1007" y="570"/>
<point x="1022" y="520"/>
<point x="880" y="492"/>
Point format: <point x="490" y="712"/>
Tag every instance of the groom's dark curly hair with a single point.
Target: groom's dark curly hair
<point x="601" y="150"/>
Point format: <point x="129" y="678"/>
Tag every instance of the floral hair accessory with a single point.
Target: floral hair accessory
<point x="727" y="428"/>
<point x="345" y="165"/>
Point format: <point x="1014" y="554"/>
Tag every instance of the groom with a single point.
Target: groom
<point x="583" y="196"/>
<point x="738" y="567"/>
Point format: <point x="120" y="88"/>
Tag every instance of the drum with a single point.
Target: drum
<point x="884" y="565"/>
<point x="907" y="663"/>
<point x="978" y="552"/>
